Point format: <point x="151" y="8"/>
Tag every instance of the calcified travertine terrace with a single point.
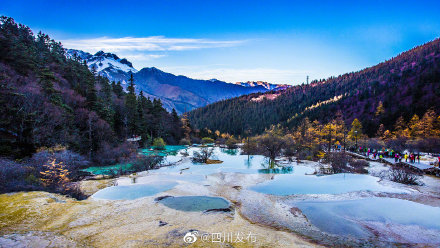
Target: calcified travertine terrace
<point x="40" y="219"/>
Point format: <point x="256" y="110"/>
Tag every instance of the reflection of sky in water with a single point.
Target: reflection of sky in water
<point x="130" y="192"/>
<point x="197" y="173"/>
<point x="286" y="181"/>
<point x="330" y="184"/>
<point x="338" y="217"/>
<point x="195" y="203"/>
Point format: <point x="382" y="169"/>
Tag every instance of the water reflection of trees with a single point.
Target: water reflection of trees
<point x="248" y="161"/>
<point x="271" y="167"/>
<point x="231" y="152"/>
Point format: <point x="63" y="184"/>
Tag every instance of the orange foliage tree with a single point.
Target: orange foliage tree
<point x="55" y="175"/>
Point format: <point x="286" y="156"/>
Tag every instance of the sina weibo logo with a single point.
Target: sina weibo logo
<point x="190" y="237"/>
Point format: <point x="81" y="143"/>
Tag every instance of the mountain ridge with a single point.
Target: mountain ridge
<point x="268" y="86"/>
<point x="404" y="85"/>
<point x="176" y="91"/>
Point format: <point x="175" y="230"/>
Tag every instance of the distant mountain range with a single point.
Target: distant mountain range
<point x="405" y="85"/>
<point x="266" y="85"/>
<point x="179" y="92"/>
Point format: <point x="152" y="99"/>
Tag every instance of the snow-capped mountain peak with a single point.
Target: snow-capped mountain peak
<point x="102" y="61"/>
<point x="105" y="64"/>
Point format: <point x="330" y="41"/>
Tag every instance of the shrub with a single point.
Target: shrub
<point x="358" y="166"/>
<point x="202" y="156"/>
<point x="108" y="155"/>
<point x="146" y="163"/>
<point x="52" y="175"/>
<point x="207" y="140"/>
<point x="184" y="142"/>
<point x="71" y="161"/>
<point x="397" y="144"/>
<point x="159" y="144"/>
<point x="13" y="176"/>
<point x="290" y="148"/>
<point x="250" y="147"/>
<point x="338" y="161"/>
<point x="55" y="175"/>
<point x="341" y="162"/>
<point x="231" y="143"/>
<point x="402" y="175"/>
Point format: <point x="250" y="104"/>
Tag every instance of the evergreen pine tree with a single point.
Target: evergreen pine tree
<point x="131" y="105"/>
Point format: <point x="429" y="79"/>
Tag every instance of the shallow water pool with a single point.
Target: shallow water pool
<point x="169" y="150"/>
<point x="195" y="203"/>
<point x="298" y="183"/>
<point x="349" y="218"/>
<point x="134" y="191"/>
<point x="198" y="173"/>
<point x="170" y="153"/>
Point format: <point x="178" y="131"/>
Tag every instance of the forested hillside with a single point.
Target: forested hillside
<point x="402" y="86"/>
<point x="178" y="92"/>
<point x="48" y="99"/>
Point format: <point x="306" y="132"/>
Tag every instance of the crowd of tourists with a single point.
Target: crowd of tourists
<point x="390" y="153"/>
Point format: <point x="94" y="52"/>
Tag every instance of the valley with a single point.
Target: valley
<point x="195" y="124"/>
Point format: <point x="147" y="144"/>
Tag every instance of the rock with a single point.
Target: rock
<point x="160" y="198"/>
<point x="89" y="187"/>
<point x="295" y="211"/>
<point x="213" y="161"/>
<point x="36" y="239"/>
<point x="237" y="187"/>
<point x="224" y="210"/>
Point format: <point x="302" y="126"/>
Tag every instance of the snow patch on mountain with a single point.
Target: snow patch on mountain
<point x="102" y="61"/>
<point x="101" y="64"/>
<point x="266" y="85"/>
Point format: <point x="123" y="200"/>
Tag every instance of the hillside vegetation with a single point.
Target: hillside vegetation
<point x="406" y="85"/>
<point x="48" y="99"/>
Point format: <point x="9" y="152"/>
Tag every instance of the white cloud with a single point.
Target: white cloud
<point x="142" y="57"/>
<point x="141" y="51"/>
<point x="151" y="44"/>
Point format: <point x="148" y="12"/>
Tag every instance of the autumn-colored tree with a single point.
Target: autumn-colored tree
<point x="316" y="130"/>
<point x="302" y="134"/>
<point x="356" y="130"/>
<point x="330" y="133"/>
<point x="55" y="175"/>
<point x="380" y="109"/>
<point x="387" y="135"/>
<point x="308" y="134"/>
<point x="340" y="129"/>
<point x="427" y="125"/>
<point x="414" y="126"/>
<point x="400" y="128"/>
<point x="185" y="126"/>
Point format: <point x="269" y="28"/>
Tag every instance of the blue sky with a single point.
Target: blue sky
<point x="274" y="41"/>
